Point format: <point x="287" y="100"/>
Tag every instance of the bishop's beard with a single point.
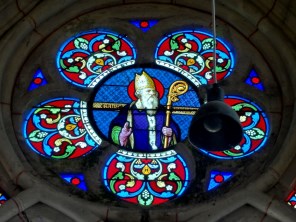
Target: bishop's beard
<point x="150" y="104"/>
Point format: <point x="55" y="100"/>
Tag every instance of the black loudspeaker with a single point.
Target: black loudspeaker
<point x="215" y="126"/>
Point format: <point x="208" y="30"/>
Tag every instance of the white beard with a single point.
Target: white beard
<point x="150" y="104"/>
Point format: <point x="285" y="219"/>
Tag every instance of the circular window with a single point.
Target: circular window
<point x="97" y="121"/>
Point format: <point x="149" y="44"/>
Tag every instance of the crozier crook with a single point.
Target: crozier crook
<point x="176" y="89"/>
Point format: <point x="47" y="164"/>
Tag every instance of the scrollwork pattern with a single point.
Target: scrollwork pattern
<point x="55" y="129"/>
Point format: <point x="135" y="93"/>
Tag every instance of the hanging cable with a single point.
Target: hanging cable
<point x="214" y="39"/>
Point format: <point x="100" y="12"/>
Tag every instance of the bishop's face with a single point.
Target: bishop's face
<point x="149" y="100"/>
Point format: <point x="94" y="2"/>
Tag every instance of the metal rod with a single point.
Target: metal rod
<point x="214" y="39"/>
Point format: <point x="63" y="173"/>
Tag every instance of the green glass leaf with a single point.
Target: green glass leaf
<point x="174" y="45"/>
<point x="113" y="37"/>
<point x="81" y="43"/>
<point x="69" y="150"/>
<point x="174" y="176"/>
<point x="141" y="201"/>
<point x="73" y="69"/>
<point x="208" y="44"/>
<point x="229" y="153"/>
<point x="255" y="133"/>
<point x="118" y="176"/>
<point x="51" y="109"/>
<point x="222" y="69"/>
<point x="239" y="106"/>
<point x="149" y="200"/>
<point x="62" y="64"/>
<point x="69" y="69"/>
<point x="37" y="136"/>
<point x="145" y="198"/>
<point x="116" y="45"/>
<point x="115" y="134"/>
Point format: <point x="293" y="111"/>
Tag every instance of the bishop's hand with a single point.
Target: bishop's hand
<point x="168" y="132"/>
<point x="124" y="134"/>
